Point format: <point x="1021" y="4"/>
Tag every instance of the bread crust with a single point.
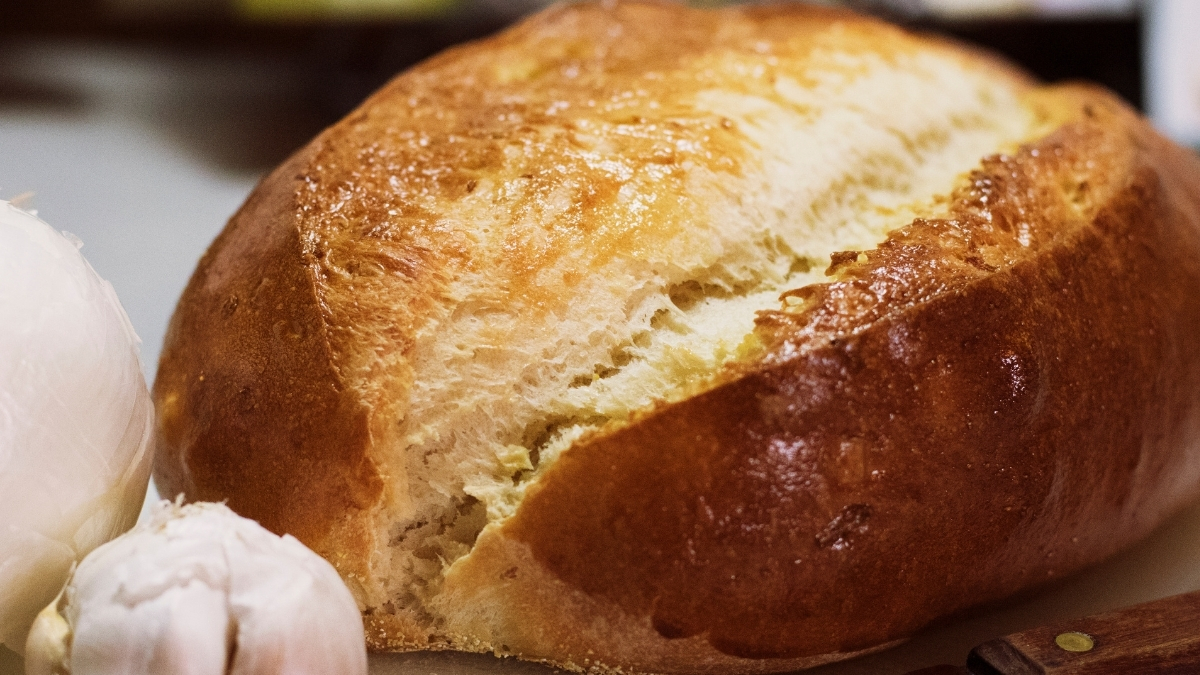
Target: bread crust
<point x="998" y="416"/>
<point x="990" y="400"/>
<point x="246" y="387"/>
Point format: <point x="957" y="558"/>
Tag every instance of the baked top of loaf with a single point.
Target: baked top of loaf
<point x="675" y="340"/>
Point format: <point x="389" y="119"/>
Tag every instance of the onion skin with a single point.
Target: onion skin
<point x="76" y="420"/>
<point x="199" y="590"/>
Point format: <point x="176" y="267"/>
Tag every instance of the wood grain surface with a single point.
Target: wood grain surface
<point x="1159" y="637"/>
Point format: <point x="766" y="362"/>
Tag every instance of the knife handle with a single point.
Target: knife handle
<point x="1160" y="638"/>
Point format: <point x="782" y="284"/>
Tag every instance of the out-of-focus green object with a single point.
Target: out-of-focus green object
<point x="306" y="10"/>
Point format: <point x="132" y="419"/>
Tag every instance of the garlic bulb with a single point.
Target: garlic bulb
<point x="200" y="590"/>
<point x="76" y="419"/>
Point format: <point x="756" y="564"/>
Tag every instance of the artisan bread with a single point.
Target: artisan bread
<point x="640" y="338"/>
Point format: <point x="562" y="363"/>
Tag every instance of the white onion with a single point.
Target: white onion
<point x="76" y="419"/>
<point x="199" y="590"/>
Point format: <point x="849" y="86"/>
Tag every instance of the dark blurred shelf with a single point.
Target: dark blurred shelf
<point x="347" y="61"/>
<point x="1105" y="51"/>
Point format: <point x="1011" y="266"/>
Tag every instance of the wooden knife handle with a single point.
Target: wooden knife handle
<point x="1160" y="638"/>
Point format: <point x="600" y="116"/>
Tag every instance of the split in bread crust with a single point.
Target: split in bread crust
<point x="544" y="349"/>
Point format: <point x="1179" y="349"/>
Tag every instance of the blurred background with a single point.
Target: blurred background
<point x="141" y="125"/>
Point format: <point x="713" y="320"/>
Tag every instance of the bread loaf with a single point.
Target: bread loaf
<point x="640" y="338"/>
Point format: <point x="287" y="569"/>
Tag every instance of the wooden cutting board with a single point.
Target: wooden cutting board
<point x="1165" y="564"/>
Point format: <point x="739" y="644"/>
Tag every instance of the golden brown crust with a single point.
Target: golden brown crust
<point x="993" y="415"/>
<point x="245" y="387"/>
<point x="988" y="401"/>
<point x="546" y="618"/>
<point x="312" y="260"/>
<point x="278" y="311"/>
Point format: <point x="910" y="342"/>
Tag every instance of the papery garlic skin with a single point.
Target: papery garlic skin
<point x="200" y="590"/>
<point x="76" y="420"/>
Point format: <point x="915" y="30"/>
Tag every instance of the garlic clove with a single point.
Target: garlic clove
<point x="202" y="591"/>
<point x="267" y="597"/>
<point x="183" y="630"/>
